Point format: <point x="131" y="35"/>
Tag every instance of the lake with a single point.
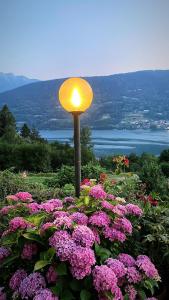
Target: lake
<point x="109" y="142"/>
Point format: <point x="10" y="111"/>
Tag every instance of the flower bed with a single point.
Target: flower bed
<point x="72" y="249"/>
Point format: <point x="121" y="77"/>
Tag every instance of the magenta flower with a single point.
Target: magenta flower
<point x="6" y="209"/>
<point x="64" y="222"/>
<point x="2" y="294"/>
<point x="12" y="197"/>
<point x="79" y="218"/>
<point x="51" y="275"/>
<point x="16" y="279"/>
<point x="144" y="264"/>
<point x="133" y="209"/>
<point x="81" y="260"/>
<point x="104" y="279"/>
<point x="105" y="204"/>
<point x="133" y="275"/>
<point x="131" y="292"/>
<point x="33" y="207"/>
<point x="123" y="224"/>
<point x="68" y="200"/>
<point x="24" y="196"/>
<point x="29" y="250"/>
<point x="45" y="294"/>
<point x="117" y="267"/>
<point x="31" y="284"/>
<point x="97" y="192"/>
<point x="100" y="219"/>
<point x="83" y="236"/>
<point x="45" y="227"/>
<point x="114" y="235"/>
<point x="4" y="252"/>
<point x="51" y="205"/>
<point x="126" y="259"/>
<point x="60" y="213"/>
<point x="96" y="235"/>
<point x="18" y="223"/>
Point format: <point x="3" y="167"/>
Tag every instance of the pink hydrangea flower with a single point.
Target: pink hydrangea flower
<point x="117" y="267"/>
<point x="2" y="294"/>
<point x="63" y="244"/>
<point x="4" y="252"/>
<point x="29" y="250"/>
<point x="100" y="219"/>
<point x="68" y="200"/>
<point x="33" y="207"/>
<point x="81" y="260"/>
<point x="110" y="197"/>
<point x="133" y="275"/>
<point x="96" y="235"/>
<point x="123" y="224"/>
<point x="133" y="209"/>
<point x="12" y="197"/>
<point x="97" y="192"/>
<point x="18" y="223"/>
<point x="131" y="292"/>
<point x="51" y="275"/>
<point x="64" y="222"/>
<point x="45" y="294"/>
<point x="58" y="214"/>
<point x="16" y="279"/>
<point x="126" y="259"/>
<point x="5" y="209"/>
<point x="83" y="236"/>
<point x="51" y="205"/>
<point x="113" y="234"/>
<point x="79" y="218"/>
<point x="144" y="264"/>
<point x="105" y="204"/>
<point x="31" y="284"/>
<point x="24" y="196"/>
<point x="45" y="227"/>
<point x="104" y="279"/>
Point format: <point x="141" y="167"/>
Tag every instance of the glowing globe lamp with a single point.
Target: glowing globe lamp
<point x="75" y="96"/>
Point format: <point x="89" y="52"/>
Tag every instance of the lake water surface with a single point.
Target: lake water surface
<point x="109" y="142"/>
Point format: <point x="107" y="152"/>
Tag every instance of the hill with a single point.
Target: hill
<point x="130" y="100"/>
<point x="9" y="81"/>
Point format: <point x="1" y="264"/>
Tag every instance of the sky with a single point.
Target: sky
<point x="47" y="39"/>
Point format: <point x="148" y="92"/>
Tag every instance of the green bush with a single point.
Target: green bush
<point x="165" y="168"/>
<point x="10" y="183"/>
<point x="92" y="170"/>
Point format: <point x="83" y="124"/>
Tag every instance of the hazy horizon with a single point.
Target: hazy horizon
<point x="58" y="39"/>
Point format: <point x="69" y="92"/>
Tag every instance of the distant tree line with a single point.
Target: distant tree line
<point x="27" y="150"/>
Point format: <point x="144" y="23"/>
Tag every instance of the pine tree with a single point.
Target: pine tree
<point x="7" y="123"/>
<point x="25" y="131"/>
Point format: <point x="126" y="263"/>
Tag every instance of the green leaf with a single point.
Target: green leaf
<point x="10" y="239"/>
<point x="67" y="295"/>
<point x="57" y="289"/>
<point x="75" y="285"/>
<point x="9" y="260"/>
<point x="61" y="269"/>
<point x="36" y="219"/>
<point x="102" y="252"/>
<point x="85" y="295"/>
<point x="33" y="237"/>
<point x="47" y="255"/>
<point x="142" y="294"/>
<point x="41" y="264"/>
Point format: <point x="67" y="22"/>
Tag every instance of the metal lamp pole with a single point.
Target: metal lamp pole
<point x="77" y="152"/>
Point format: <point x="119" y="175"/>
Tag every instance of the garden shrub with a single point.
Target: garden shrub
<point x="165" y="168"/>
<point x="72" y="249"/>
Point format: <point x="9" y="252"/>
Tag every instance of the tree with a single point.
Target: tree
<point x="25" y="131"/>
<point x="35" y="136"/>
<point x="86" y="145"/>
<point x="7" y="121"/>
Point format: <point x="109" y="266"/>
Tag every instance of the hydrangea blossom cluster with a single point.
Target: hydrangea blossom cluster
<point x="83" y="236"/>
<point x="18" y="223"/>
<point x="97" y="192"/>
<point x="2" y="294"/>
<point x="117" y="267"/>
<point x="104" y="279"/>
<point x="51" y="205"/>
<point x="126" y="259"/>
<point x="124" y="225"/>
<point x="133" y="209"/>
<point x="99" y="219"/>
<point x="45" y="294"/>
<point x="16" y="279"/>
<point x="4" y="252"/>
<point x="79" y="218"/>
<point x="51" y="275"/>
<point x="64" y="222"/>
<point x="29" y="250"/>
<point x="33" y="207"/>
<point x="68" y="200"/>
<point x="113" y="234"/>
<point x="144" y="264"/>
<point x="24" y="196"/>
<point x="31" y="284"/>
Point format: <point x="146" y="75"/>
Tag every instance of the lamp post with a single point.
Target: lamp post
<point x="75" y="96"/>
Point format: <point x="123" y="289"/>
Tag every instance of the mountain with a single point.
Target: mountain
<point x="129" y="100"/>
<point x="9" y="81"/>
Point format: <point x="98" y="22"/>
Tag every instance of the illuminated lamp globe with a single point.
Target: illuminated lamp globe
<point x="75" y="95"/>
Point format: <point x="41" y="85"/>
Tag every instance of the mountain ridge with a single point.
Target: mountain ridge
<point x="9" y="81"/>
<point x="127" y="100"/>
